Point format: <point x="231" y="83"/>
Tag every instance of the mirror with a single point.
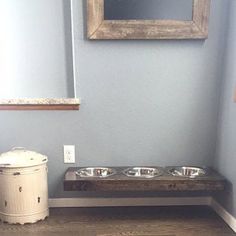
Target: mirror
<point x="147" y="19"/>
<point x="148" y="10"/>
<point x="36" y="59"/>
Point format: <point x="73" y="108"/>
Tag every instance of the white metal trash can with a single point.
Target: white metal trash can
<point x="23" y="186"/>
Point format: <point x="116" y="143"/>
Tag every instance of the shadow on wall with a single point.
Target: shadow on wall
<point x="68" y="48"/>
<point x="85" y="18"/>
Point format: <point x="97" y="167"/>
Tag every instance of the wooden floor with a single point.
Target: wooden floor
<point x="125" y="221"/>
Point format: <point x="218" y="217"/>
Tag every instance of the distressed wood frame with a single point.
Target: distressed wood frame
<point x="98" y="28"/>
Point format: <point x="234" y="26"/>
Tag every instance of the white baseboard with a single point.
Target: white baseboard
<point x="153" y="201"/>
<point x="110" y="202"/>
<point x="224" y="214"/>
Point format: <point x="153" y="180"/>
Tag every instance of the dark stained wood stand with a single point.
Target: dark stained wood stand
<point x="120" y="182"/>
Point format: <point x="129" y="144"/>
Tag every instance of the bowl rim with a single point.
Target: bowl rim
<point x="202" y="168"/>
<point x="155" y="168"/>
<point x="113" y="170"/>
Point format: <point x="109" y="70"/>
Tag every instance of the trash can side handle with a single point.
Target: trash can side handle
<point x="2" y="165"/>
<point x="18" y="148"/>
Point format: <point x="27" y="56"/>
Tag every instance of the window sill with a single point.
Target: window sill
<point x="40" y="104"/>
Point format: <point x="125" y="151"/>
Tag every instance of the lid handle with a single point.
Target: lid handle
<point x="18" y="148"/>
<point x="4" y="165"/>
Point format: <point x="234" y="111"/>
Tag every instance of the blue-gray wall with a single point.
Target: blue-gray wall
<point x="142" y="103"/>
<point x="226" y="139"/>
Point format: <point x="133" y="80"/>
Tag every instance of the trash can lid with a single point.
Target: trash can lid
<point x="20" y="157"/>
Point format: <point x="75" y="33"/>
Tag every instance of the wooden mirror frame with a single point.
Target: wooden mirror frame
<point x="98" y="28"/>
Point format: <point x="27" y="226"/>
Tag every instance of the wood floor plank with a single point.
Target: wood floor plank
<point x="125" y="221"/>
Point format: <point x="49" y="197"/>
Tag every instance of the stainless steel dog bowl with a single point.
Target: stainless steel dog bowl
<point x="187" y="171"/>
<point x="143" y="172"/>
<point x="100" y="172"/>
